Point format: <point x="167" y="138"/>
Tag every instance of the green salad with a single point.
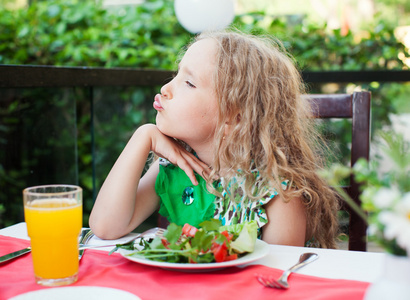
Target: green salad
<point x="209" y="243"/>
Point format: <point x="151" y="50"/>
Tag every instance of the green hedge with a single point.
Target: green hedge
<point x="83" y="33"/>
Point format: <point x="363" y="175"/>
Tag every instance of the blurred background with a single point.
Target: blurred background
<point x="73" y="133"/>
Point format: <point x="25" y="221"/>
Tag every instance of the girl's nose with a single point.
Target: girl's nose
<point x="166" y="91"/>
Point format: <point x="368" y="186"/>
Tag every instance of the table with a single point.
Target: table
<point x="337" y="264"/>
<point x="332" y="264"/>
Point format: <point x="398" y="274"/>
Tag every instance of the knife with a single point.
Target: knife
<point x="86" y="235"/>
<point x="14" y="254"/>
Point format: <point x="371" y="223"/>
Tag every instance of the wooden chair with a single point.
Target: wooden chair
<point x="354" y="106"/>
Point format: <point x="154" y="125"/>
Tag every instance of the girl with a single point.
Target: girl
<point x="235" y="141"/>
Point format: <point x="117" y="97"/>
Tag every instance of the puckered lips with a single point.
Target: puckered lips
<point x="157" y="102"/>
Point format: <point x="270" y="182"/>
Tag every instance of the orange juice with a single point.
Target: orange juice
<point x="53" y="226"/>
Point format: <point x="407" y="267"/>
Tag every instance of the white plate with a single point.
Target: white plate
<point x="261" y="250"/>
<point x="77" y="293"/>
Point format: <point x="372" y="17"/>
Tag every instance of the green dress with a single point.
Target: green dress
<point x="182" y="202"/>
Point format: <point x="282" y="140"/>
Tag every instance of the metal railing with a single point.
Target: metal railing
<point x="22" y="76"/>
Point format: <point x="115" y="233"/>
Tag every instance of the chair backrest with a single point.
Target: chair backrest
<point x="354" y="106"/>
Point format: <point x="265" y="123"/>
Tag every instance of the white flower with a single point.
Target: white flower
<point x="397" y="223"/>
<point x="391" y="222"/>
<point x="406" y="199"/>
<point x="385" y="197"/>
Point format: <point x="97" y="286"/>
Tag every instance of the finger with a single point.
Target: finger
<point x="190" y="164"/>
<point x="178" y="155"/>
<point x="189" y="171"/>
<point x="181" y="158"/>
<point x="198" y="165"/>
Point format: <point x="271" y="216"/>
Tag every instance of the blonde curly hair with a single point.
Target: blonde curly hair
<point x="259" y="92"/>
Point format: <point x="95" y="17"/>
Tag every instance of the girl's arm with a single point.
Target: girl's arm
<point x="286" y="222"/>
<point x="125" y="200"/>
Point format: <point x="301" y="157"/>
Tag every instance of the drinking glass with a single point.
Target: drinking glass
<point x="53" y="214"/>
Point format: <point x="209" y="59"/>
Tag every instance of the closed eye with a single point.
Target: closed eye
<point x="190" y="84"/>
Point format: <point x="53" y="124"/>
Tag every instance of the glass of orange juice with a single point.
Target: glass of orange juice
<point x="53" y="214"/>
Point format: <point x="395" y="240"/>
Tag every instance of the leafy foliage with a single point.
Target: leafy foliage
<point x="82" y="33"/>
<point x="315" y="47"/>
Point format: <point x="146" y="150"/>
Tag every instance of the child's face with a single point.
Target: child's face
<point x="187" y="107"/>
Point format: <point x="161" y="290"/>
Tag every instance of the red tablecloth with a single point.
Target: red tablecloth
<point x="97" y="268"/>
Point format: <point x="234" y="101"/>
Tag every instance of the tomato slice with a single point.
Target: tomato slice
<point x="191" y="261"/>
<point x="220" y="251"/>
<point x="231" y="257"/>
<point x="165" y="242"/>
<point x="189" y="230"/>
<point x="228" y="235"/>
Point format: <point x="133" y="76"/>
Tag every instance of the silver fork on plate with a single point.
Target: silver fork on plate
<point x="282" y="282"/>
<point x="156" y="231"/>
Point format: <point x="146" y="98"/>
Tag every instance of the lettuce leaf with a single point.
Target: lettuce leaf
<point x="247" y="234"/>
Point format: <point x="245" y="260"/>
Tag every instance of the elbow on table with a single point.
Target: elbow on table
<point x="103" y="230"/>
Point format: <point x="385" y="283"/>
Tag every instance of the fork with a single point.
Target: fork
<point x="86" y="236"/>
<point x="282" y="282"/>
<point x="157" y="231"/>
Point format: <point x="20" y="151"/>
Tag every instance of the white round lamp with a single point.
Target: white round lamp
<point x="200" y="15"/>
